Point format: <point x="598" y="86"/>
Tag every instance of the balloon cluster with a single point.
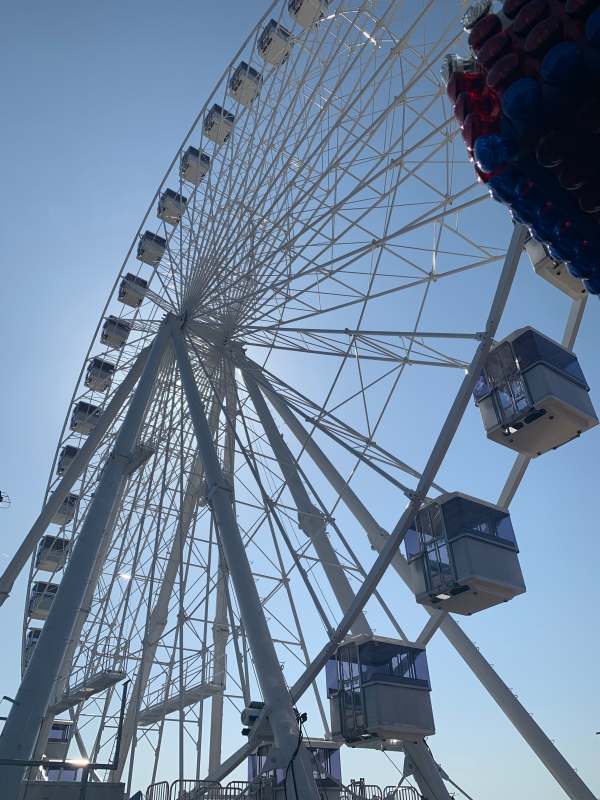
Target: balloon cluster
<point x="528" y="103"/>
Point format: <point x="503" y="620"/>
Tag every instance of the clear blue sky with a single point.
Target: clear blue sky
<point x="95" y="99"/>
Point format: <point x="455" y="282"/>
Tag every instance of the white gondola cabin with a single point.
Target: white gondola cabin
<point x="33" y="635"/>
<point x="463" y="555"/>
<point x="307" y="12"/>
<point x="52" y="553"/>
<point x="84" y="417"/>
<point x="151" y="248"/>
<point x="65" y="458"/>
<point x="274" y="43"/>
<point x="379" y="692"/>
<point x="532" y="394"/>
<point x="245" y="84"/>
<point x="171" y="206"/>
<point x="99" y="375"/>
<point x="555" y="272"/>
<point x="132" y="290"/>
<point x="324" y="757"/>
<point x="58" y="739"/>
<point x="194" y="165"/>
<point x="66" y="510"/>
<point x="218" y="124"/>
<point x="115" y="332"/>
<point x="41" y="598"/>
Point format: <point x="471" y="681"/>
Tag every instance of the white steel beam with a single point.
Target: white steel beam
<point x="282" y="717"/>
<point x="62" y="676"/>
<point x="436" y="457"/>
<point x="158" y="617"/>
<point x="312" y="523"/>
<point x="531" y="732"/>
<point x="359" y="332"/>
<point x="220" y="625"/>
<point x="425" y="770"/>
<point x="21" y="729"/>
<point x="431" y="626"/>
<point x="310" y="519"/>
<point x="74" y="471"/>
<point x="389" y="547"/>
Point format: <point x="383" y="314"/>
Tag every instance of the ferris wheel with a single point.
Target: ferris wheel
<point x="274" y="383"/>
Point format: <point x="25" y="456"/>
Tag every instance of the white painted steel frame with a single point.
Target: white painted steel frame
<point x="206" y="248"/>
<point x="19" y="736"/>
<point x="74" y="471"/>
<point x="285" y="727"/>
<point x="313" y="524"/>
<point x="546" y="751"/>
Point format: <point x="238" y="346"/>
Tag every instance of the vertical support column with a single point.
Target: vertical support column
<point x="158" y="617"/>
<point x="425" y="770"/>
<point x="220" y="626"/>
<point x="310" y="519"/>
<point x="20" y="732"/>
<point x="60" y="682"/>
<point x="282" y="717"/>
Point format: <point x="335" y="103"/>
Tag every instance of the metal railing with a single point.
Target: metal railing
<point x="242" y="790"/>
<point x="158" y="791"/>
<point x="401" y="793"/>
<point x="361" y="791"/>
<point x="197" y="790"/>
<point x="198" y="669"/>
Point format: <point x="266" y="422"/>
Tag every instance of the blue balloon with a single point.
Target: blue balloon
<point x="568" y="235"/>
<point x="544" y="227"/>
<point x="519" y="219"/>
<point x="592" y="284"/>
<point x="591" y="55"/>
<point x="527" y="199"/>
<point x="578" y="270"/>
<point x="592" y="28"/>
<point x="561" y="251"/>
<point x="502" y="187"/>
<point x="563" y="65"/>
<point x="493" y="151"/>
<point x="522" y="102"/>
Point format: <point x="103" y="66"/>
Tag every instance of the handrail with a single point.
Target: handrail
<point x="194" y="789"/>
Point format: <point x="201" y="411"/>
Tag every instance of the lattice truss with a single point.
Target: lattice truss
<point x="328" y="248"/>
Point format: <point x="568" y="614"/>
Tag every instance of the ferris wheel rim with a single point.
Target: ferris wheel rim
<point x="161" y="186"/>
<point x="223" y="80"/>
<point x="200" y="115"/>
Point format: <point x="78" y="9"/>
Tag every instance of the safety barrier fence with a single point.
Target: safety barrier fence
<point x="240" y="790"/>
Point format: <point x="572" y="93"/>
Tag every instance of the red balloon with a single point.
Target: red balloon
<point x="487" y="27"/>
<point x="512" y="7"/>
<point x="504" y="72"/>
<point x="496" y="47"/>
<point x="464" y="82"/>
<point x="529" y="16"/>
<point x="545" y="35"/>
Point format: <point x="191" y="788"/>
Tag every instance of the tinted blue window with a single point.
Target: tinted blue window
<point x="468" y="517"/>
<point x="482" y="388"/>
<point x="412" y="543"/>
<point x="331" y="676"/>
<point x="395" y="663"/>
<point x="531" y="348"/>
